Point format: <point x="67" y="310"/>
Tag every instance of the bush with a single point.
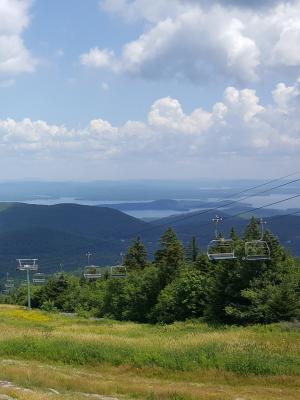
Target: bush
<point x="184" y="298"/>
<point x="49" y="306"/>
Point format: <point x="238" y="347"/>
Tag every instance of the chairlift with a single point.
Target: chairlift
<point x="92" y="272"/>
<point x="27" y="264"/>
<point x="258" y="249"/>
<point x="118" y="271"/>
<point x="9" y="284"/>
<point x="39" y="278"/>
<point x="220" y="248"/>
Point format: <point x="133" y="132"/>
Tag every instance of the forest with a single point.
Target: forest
<point x="181" y="284"/>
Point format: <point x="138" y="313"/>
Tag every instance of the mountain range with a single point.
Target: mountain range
<point x="64" y="233"/>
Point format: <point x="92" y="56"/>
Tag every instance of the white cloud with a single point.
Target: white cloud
<point x="167" y="114"/>
<point x="237" y="125"/>
<point x="287" y="97"/>
<point x="102" y="127"/>
<point x="15" y="58"/>
<point x="200" y="39"/>
<point x="98" y="58"/>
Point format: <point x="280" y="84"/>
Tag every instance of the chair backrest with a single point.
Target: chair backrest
<point x="118" y="271"/>
<point x="92" y="272"/>
<point x="257" y="250"/>
<point x="221" y="249"/>
<point x="39" y="278"/>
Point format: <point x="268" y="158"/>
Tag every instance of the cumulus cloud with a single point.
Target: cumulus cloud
<point x="238" y="124"/>
<point x="287" y="97"/>
<point x="98" y="58"/>
<point x="201" y="39"/>
<point x="15" y="58"/>
<point x="167" y="114"/>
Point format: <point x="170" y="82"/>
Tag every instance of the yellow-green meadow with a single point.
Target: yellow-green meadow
<point x="71" y="357"/>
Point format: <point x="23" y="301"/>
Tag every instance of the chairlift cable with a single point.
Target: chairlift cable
<point x="203" y="212"/>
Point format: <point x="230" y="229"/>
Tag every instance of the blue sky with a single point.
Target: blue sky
<point x="131" y="89"/>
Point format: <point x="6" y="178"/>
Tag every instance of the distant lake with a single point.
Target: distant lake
<point x="255" y="201"/>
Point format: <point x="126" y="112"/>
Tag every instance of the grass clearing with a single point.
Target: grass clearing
<point x="183" y="361"/>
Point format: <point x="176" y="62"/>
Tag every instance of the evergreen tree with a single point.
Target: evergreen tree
<point x="233" y="235"/>
<point x="192" y="250"/>
<point x="255" y="291"/>
<point x="185" y="297"/>
<point x="169" y="257"/>
<point x="131" y="298"/>
<point x="252" y="231"/>
<point x="203" y="264"/>
<point x="136" y="257"/>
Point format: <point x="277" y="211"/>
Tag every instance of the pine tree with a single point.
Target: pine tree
<point x="169" y="257"/>
<point x="252" y="231"/>
<point x="255" y="291"/>
<point x="233" y="235"/>
<point x="136" y="257"/>
<point x="192" y="250"/>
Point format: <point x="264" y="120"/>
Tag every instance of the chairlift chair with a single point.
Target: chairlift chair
<point x="118" y="271"/>
<point x="27" y="264"/>
<point x="258" y="249"/>
<point x="91" y="272"/>
<point x="220" y="248"/>
<point x="39" y="278"/>
<point x="9" y="284"/>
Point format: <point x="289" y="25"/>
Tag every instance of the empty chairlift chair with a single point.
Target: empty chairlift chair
<point x="9" y="284"/>
<point x="39" y="278"/>
<point x="27" y="264"/>
<point x="118" y="271"/>
<point x="258" y="249"/>
<point x="92" y="272"/>
<point x="220" y="248"/>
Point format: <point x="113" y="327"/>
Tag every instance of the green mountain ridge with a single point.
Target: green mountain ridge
<point x="62" y="234"/>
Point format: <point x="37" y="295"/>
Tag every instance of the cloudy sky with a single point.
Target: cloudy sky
<point x="131" y="89"/>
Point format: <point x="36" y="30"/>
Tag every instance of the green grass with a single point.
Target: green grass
<point x="183" y="351"/>
<point x="248" y="359"/>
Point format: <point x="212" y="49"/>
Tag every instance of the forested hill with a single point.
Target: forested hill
<point x="76" y="219"/>
<point x="62" y="234"/>
<point x="285" y="227"/>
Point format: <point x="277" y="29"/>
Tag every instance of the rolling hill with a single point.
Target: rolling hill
<point x="62" y="234"/>
<point x="285" y="227"/>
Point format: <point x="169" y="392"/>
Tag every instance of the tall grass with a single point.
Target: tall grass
<point x="251" y="359"/>
<point x="182" y="361"/>
<point x="189" y="346"/>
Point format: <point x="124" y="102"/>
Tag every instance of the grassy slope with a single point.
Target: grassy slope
<point x="181" y="361"/>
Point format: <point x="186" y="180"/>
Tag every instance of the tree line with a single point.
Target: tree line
<point x="182" y="283"/>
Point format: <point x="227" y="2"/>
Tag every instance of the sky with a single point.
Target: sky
<point x="143" y="89"/>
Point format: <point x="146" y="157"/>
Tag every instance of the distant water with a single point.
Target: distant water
<point x="61" y="200"/>
<point x="255" y="201"/>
